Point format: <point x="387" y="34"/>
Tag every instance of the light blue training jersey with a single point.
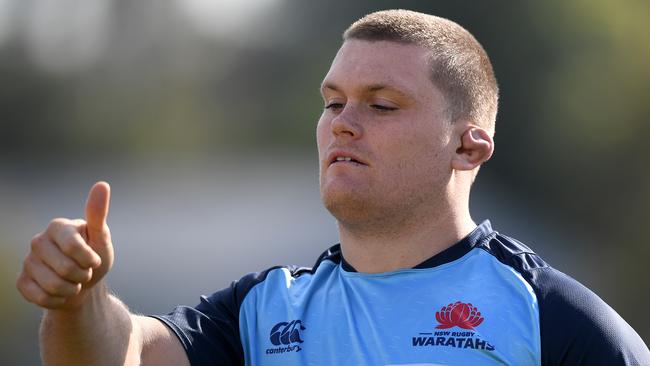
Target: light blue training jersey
<point x="487" y="300"/>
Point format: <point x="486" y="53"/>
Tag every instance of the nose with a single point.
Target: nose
<point x="346" y="123"/>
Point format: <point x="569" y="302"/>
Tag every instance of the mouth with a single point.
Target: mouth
<point x="345" y="158"/>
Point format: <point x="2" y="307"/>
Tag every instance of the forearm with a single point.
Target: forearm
<point x="84" y="325"/>
<point x="99" y="332"/>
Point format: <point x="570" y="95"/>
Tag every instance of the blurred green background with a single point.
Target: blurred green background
<point x="201" y="114"/>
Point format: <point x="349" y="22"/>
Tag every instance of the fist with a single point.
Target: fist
<point x="67" y="259"/>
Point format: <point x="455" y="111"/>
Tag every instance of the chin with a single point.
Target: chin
<point x="348" y="207"/>
<point x="339" y="201"/>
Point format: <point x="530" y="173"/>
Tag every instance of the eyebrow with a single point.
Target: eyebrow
<point x="370" y="88"/>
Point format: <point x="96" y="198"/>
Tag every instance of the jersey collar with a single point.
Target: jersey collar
<point x="450" y="254"/>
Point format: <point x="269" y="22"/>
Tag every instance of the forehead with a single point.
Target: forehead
<point x="360" y="64"/>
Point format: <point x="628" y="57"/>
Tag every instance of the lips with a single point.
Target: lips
<point x="342" y="156"/>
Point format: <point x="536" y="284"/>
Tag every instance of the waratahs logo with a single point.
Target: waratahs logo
<point x="286" y="335"/>
<point x="459" y="314"/>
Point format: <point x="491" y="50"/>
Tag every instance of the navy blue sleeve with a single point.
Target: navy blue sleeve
<point x="209" y="332"/>
<point x="579" y="328"/>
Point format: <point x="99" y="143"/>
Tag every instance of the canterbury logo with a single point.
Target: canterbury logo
<point x="286" y="333"/>
<point x="459" y="314"/>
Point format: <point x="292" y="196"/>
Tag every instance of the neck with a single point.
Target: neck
<point x="417" y="239"/>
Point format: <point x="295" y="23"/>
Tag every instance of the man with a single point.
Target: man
<point x="410" y="104"/>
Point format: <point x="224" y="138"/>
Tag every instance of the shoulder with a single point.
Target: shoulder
<point x="577" y="327"/>
<point x="239" y="289"/>
<point x="210" y="332"/>
<point x="227" y="301"/>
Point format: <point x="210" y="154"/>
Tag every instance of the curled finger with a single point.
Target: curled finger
<point x="64" y="266"/>
<point x="33" y="293"/>
<point x="67" y="237"/>
<point x="48" y="280"/>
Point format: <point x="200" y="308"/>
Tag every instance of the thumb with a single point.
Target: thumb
<point x="97" y="212"/>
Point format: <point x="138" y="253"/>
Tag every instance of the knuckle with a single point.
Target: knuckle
<point x="33" y="293"/>
<point x="71" y="272"/>
<point x="29" y="263"/>
<point x="62" y="226"/>
<point x="69" y="245"/>
<point x="58" y="222"/>
<point x="37" y="241"/>
<point x="78" y="222"/>
<point x="21" y="285"/>
<point x="67" y="269"/>
<point x="55" y="286"/>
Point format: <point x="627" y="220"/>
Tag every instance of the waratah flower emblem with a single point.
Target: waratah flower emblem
<point x="459" y="314"/>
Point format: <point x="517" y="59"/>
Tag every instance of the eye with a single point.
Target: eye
<point x="383" y="108"/>
<point x="334" y="106"/>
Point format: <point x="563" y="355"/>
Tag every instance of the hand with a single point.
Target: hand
<point x="69" y="257"/>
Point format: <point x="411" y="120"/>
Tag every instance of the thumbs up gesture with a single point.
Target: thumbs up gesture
<point x="70" y="257"/>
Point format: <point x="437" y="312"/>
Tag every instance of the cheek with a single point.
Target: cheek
<point x="417" y="156"/>
<point x="321" y="133"/>
<point x="322" y="140"/>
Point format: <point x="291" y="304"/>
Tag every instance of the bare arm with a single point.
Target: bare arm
<point x="106" y="333"/>
<point x="83" y="323"/>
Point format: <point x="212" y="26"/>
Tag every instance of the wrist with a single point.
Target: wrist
<point x="89" y="302"/>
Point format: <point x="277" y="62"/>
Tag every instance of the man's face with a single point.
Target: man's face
<point x="384" y="137"/>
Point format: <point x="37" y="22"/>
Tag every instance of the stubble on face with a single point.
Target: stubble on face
<point x="390" y="205"/>
<point x="406" y="149"/>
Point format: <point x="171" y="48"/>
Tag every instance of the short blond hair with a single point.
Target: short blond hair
<point x="460" y="66"/>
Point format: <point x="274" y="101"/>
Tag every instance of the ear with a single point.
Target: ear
<point x="476" y="147"/>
